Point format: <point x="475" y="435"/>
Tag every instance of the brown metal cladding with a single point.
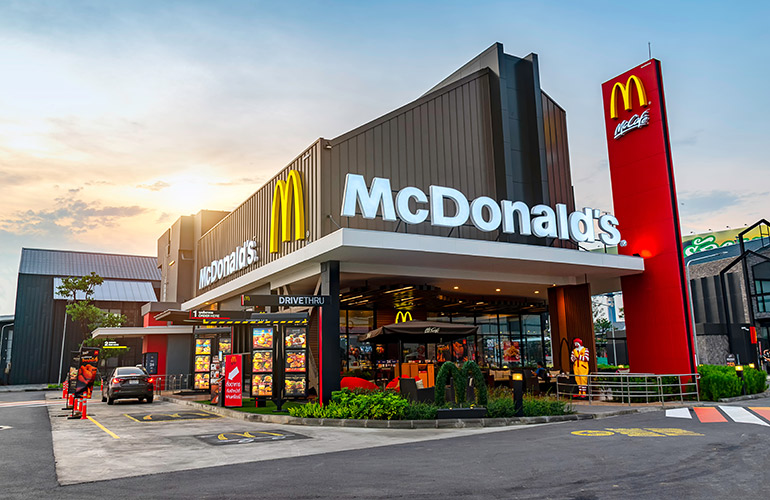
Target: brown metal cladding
<point x="251" y="220"/>
<point x="560" y="187"/>
<point x="443" y="138"/>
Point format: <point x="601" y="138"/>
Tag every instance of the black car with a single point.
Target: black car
<point x="127" y="382"/>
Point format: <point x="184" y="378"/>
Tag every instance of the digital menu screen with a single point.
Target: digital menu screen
<point x="296" y="338"/>
<point x="201" y="381"/>
<point x="295" y="361"/>
<point x="262" y="338"/>
<point x="262" y="361"/>
<point x="262" y="385"/>
<point x="202" y="363"/>
<point x="225" y="346"/>
<point x="202" y="346"/>
<point x="296" y="386"/>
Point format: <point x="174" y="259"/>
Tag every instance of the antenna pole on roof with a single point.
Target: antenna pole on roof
<point x="649" y="50"/>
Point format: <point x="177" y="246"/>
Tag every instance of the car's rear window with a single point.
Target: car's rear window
<point x="128" y="371"/>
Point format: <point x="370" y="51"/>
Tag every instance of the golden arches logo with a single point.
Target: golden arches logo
<point x="403" y="316"/>
<point x="625" y="92"/>
<point x="285" y="193"/>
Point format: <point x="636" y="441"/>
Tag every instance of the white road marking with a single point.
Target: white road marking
<point x="679" y="413"/>
<point x="742" y="415"/>
<point x="16" y="404"/>
<point x="4" y="427"/>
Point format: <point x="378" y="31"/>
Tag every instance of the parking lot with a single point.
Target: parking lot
<point x="132" y="439"/>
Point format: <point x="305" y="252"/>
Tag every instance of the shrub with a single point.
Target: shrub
<point x="537" y="407"/>
<point x="756" y="380"/>
<point x="717" y="385"/>
<point x="377" y="405"/>
<point x="449" y="369"/>
<point x="501" y="408"/>
<point x="421" y="411"/>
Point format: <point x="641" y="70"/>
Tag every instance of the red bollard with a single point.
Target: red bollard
<point x="71" y="400"/>
<point x="84" y="410"/>
<point x="65" y="385"/>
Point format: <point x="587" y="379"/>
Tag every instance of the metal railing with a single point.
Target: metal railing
<point x="173" y="382"/>
<point x="633" y="388"/>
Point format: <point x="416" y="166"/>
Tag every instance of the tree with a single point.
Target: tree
<point x="79" y="292"/>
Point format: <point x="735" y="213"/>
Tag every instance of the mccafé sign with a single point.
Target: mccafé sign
<point x="484" y="212"/>
<point x="637" y="121"/>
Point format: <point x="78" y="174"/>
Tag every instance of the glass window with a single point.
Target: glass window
<point x="533" y="340"/>
<point x="762" y="289"/>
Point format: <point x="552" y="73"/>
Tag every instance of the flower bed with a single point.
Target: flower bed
<point x="388" y="405"/>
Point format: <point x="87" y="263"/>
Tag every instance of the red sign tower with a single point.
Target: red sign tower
<point x="658" y="326"/>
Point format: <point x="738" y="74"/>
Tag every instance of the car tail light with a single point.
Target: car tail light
<point x="117" y="380"/>
<point x="151" y="380"/>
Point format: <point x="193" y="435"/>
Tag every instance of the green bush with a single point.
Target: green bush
<point x="376" y="405"/>
<point x="505" y="407"/>
<point x="756" y="380"/>
<point x="717" y="385"/>
<point x="501" y="408"/>
<point x="421" y="411"/>
<point x="460" y="378"/>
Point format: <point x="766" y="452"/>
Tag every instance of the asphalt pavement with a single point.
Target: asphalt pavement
<point x="647" y="455"/>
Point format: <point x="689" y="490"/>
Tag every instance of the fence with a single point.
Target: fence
<point x="173" y="382"/>
<point x="633" y="387"/>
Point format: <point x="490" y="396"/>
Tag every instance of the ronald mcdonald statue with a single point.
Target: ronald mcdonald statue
<point x="579" y="360"/>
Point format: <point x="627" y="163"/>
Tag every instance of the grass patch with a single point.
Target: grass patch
<point x="248" y="407"/>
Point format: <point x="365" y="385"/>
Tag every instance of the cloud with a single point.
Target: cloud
<point x="707" y="202"/>
<point x="258" y="181"/>
<point x="156" y="186"/>
<point x="69" y="216"/>
<point x="12" y="178"/>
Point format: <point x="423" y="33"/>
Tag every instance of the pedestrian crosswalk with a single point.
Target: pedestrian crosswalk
<point x="722" y="414"/>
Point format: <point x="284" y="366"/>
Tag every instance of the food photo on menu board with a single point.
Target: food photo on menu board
<point x="296" y="386"/>
<point x="225" y="346"/>
<point x="201" y="363"/>
<point x="295" y="338"/>
<point x="262" y="385"/>
<point x="201" y="380"/>
<point x="263" y="338"/>
<point x="263" y="361"/>
<point x="202" y="346"/>
<point x="295" y="362"/>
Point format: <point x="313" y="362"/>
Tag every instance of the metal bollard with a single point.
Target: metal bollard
<point x="518" y="393"/>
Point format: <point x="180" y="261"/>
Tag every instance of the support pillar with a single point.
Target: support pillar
<point x="571" y="317"/>
<point x="329" y="332"/>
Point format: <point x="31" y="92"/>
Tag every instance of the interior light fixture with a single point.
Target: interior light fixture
<point x="497" y="289"/>
<point x="537" y="291"/>
<point x="456" y="287"/>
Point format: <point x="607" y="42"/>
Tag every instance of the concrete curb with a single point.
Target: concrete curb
<point x="25" y="389"/>
<point x="760" y="395"/>
<point x="458" y="423"/>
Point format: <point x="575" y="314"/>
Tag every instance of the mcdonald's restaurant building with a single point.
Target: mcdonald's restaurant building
<point x="456" y="207"/>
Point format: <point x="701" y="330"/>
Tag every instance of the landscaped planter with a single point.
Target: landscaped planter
<point x="461" y="413"/>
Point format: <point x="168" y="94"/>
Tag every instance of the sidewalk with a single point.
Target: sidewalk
<point x="24" y="387"/>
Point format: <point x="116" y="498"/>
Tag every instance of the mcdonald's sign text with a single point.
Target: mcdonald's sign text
<point x="285" y="193"/>
<point x="636" y="121"/>
<point x="240" y="258"/>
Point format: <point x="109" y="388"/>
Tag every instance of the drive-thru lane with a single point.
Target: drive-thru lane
<point x="633" y="456"/>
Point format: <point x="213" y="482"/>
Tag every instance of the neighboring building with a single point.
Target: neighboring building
<point x="36" y="355"/>
<point x="730" y="288"/>
<point x="6" y="340"/>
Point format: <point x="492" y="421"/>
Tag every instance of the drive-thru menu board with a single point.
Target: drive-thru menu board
<point x="296" y="361"/>
<point x="262" y="362"/>
<point x="202" y="363"/>
<point x="279" y="362"/>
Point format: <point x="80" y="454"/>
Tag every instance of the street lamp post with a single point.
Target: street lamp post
<point x="689" y="301"/>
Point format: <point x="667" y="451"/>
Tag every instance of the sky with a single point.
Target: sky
<point x="116" y="118"/>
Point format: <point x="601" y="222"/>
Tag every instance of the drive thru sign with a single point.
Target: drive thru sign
<point x="233" y="383"/>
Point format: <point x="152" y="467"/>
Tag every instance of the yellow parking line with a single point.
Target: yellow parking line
<point x="129" y="416"/>
<point x="104" y="428"/>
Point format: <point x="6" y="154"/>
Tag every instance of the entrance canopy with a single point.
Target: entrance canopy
<point x="419" y="331"/>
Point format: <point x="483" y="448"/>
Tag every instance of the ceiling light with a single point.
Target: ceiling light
<point x="456" y="287"/>
<point x="537" y="291"/>
<point x="497" y="289"/>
